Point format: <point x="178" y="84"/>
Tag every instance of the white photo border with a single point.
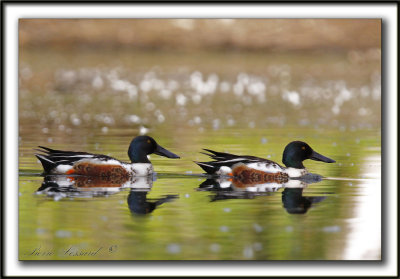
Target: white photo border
<point x="12" y="11"/>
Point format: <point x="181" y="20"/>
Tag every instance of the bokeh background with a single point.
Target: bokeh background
<point x="204" y="34"/>
<point x="293" y="68"/>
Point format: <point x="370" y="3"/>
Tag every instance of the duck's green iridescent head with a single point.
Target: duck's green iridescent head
<point x="142" y="146"/>
<point x="297" y="151"/>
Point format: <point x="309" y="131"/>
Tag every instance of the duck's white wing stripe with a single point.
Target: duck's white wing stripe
<point x="234" y="160"/>
<point x="62" y="161"/>
<point x="201" y="163"/>
<point x="99" y="161"/>
<point x="74" y="156"/>
<point x="44" y="158"/>
<point x="266" y="167"/>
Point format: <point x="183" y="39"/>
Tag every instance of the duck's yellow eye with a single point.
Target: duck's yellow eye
<point x="303" y="147"/>
<point x="148" y="141"/>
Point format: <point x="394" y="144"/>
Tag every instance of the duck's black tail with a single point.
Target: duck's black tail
<point x="208" y="168"/>
<point x="47" y="164"/>
<point x="51" y="158"/>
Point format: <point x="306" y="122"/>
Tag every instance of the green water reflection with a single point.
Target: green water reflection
<point x="189" y="225"/>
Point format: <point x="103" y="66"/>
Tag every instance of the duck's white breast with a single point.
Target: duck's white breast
<point x="292" y="172"/>
<point x="139" y="169"/>
<point x="294" y="183"/>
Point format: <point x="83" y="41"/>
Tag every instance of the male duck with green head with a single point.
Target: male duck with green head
<point x="83" y="163"/>
<point x="293" y="156"/>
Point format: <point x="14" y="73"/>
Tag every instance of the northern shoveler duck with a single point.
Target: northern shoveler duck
<point x="258" y="169"/>
<point x="82" y="163"/>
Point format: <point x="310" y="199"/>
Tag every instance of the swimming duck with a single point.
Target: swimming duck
<point x="82" y="163"/>
<point x="256" y="168"/>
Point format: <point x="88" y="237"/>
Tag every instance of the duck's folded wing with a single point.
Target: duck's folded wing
<point x="228" y="157"/>
<point x="51" y="158"/>
<point x="212" y="167"/>
<point x="227" y="160"/>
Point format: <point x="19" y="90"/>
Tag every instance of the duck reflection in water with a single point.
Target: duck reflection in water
<point x="238" y="188"/>
<point x="295" y="203"/>
<point x="62" y="186"/>
<point x="139" y="203"/>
